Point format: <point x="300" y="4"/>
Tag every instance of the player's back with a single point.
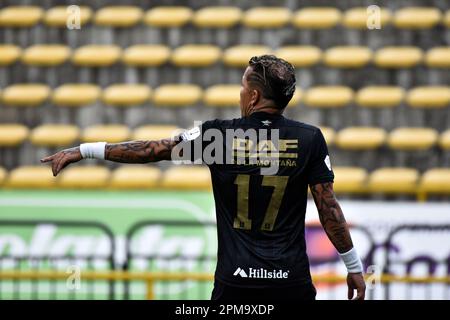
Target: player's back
<point x="260" y="195"/>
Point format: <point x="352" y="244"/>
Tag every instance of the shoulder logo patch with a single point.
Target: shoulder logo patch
<point x="328" y="162"/>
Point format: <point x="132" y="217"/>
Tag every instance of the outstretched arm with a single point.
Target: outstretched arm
<point x="125" y="152"/>
<point x="336" y="228"/>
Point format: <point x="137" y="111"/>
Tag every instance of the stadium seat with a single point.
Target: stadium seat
<point x="168" y="16"/>
<point x="300" y="56"/>
<point x="186" y="178"/>
<point x="46" y="55"/>
<point x="54" y="135"/>
<point x="329" y="134"/>
<point x="398" y="57"/>
<point x="146" y="55"/>
<point x="118" y="16"/>
<point x="349" y="179"/>
<point x="2" y="176"/>
<point x="380" y="96"/>
<point x="417" y="17"/>
<point x="76" y="95"/>
<point x="360" y="138"/>
<point x="126" y="94"/>
<point x="238" y="56"/>
<point x="59" y="16"/>
<point x="31" y="177"/>
<point x="96" y="55"/>
<point x="266" y="17"/>
<point x="410" y="139"/>
<point x="135" y="177"/>
<point x="296" y="98"/>
<point x="217" y="17"/>
<point x="438" y="57"/>
<point x="12" y="134"/>
<point x="177" y="95"/>
<point x="317" y="18"/>
<point x="328" y="96"/>
<point x="435" y="181"/>
<point x="358" y="18"/>
<point x="111" y="133"/>
<point x="393" y="180"/>
<point x="154" y="132"/>
<point x="444" y="140"/>
<point x="29" y="94"/>
<point x="84" y="177"/>
<point x="429" y="97"/>
<point x="9" y="54"/>
<point x="20" y="16"/>
<point x="347" y="57"/>
<point x="196" y="55"/>
<point x="446" y="19"/>
<point x="222" y="95"/>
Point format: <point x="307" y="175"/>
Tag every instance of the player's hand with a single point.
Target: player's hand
<point x="62" y="159"/>
<point x="355" y="281"/>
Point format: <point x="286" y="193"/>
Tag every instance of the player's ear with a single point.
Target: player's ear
<point x="255" y="97"/>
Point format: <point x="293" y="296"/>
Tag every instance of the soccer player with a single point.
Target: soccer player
<point x="260" y="216"/>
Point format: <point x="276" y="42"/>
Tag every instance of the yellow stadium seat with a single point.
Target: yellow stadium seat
<point x="96" y="55"/>
<point x="135" y="177"/>
<point x="111" y="133"/>
<point x="25" y="94"/>
<point x="360" y="17"/>
<point x="238" y="56"/>
<point x="398" y="57"/>
<point x="217" y="17"/>
<point x="347" y="57"/>
<point x="393" y="180"/>
<point x="54" y="135"/>
<point x="46" y="55"/>
<point x="118" y="16"/>
<point x="266" y="17"/>
<point x="444" y="140"/>
<point x="154" y="132"/>
<point x="75" y="94"/>
<point x="84" y="177"/>
<point x="435" y="181"/>
<point x="146" y="55"/>
<point x="2" y="175"/>
<point x="222" y="95"/>
<point x="412" y="138"/>
<point x="187" y="178"/>
<point x="329" y="134"/>
<point x="61" y="15"/>
<point x="380" y="96"/>
<point x="429" y="97"/>
<point x="438" y="57"/>
<point x="196" y="55"/>
<point x="417" y="17"/>
<point x="177" y="95"/>
<point x="361" y="138"/>
<point x="9" y="54"/>
<point x="446" y="19"/>
<point x="31" y="177"/>
<point x="317" y="17"/>
<point x="349" y="179"/>
<point x="328" y="96"/>
<point x="168" y="16"/>
<point x="12" y="134"/>
<point x="126" y="94"/>
<point x="296" y="98"/>
<point x="300" y="56"/>
<point x="20" y="16"/>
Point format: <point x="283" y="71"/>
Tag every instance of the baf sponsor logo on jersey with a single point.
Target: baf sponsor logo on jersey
<point x="261" y="273"/>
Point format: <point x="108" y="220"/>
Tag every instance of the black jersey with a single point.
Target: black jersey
<point x="261" y="215"/>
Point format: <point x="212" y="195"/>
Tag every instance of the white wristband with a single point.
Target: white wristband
<point x="352" y="261"/>
<point x="95" y="150"/>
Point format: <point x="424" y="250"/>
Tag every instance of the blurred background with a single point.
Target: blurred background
<point x="374" y="75"/>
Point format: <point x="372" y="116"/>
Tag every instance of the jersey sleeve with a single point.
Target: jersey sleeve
<point x="319" y="166"/>
<point x="194" y="144"/>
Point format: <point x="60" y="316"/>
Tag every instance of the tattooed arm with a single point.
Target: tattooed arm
<point x="336" y="228"/>
<point x="125" y="152"/>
